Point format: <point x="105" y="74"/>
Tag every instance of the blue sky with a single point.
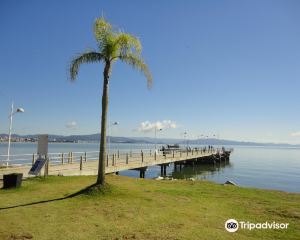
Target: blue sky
<point x="219" y="67"/>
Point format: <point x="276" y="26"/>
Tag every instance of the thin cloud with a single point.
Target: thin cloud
<point x="148" y="126"/>
<point x="71" y="125"/>
<point x="295" y="134"/>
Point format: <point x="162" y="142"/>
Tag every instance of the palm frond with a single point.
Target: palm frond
<point x="128" y="44"/>
<point x="137" y="63"/>
<point x="101" y="29"/>
<point x="105" y="37"/>
<point x="87" y="57"/>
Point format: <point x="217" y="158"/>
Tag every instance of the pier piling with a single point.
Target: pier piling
<point x="142" y="173"/>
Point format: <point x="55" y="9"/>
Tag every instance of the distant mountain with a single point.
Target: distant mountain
<point x="212" y="141"/>
<point x="148" y="140"/>
<point x="158" y="140"/>
<point x="75" y="138"/>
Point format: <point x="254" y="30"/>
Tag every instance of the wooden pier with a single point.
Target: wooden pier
<point x="66" y="165"/>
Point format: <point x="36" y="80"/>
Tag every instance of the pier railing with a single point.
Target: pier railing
<point x="16" y="160"/>
<point x="86" y="163"/>
<point x="116" y="156"/>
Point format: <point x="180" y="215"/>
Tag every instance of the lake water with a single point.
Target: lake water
<point x="260" y="167"/>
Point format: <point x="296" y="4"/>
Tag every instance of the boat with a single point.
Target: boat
<point x="170" y="148"/>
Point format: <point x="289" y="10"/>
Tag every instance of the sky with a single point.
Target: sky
<point x="226" y="68"/>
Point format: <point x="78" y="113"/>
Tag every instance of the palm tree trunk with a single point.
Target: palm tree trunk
<point x="102" y="153"/>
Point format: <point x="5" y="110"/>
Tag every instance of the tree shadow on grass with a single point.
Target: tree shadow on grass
<point x="92" y="190"/>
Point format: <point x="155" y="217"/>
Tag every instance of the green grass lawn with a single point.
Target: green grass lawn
<point x="142" y="209"/>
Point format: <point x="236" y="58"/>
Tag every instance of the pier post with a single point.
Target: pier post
<point x="126" y="158"/>
<point x="165" y="170"/>
<point x="106" y="160"/>
<point x="173" y="153"/>
<point x="71" y="157"/>
<point x="142" y="156"/>
<point x="46" y="170"/>
<point x="175" y="166"/>
<point x="33" y="160"/>
<point x="155" y="156"/>
<point x="113" y="159"/>
<point x="85" y="159"/>
<point x="80" y="166"/>
<point x="142" y="173"/>
<point x="161" y="170"/>
<point x="62" y="158"/>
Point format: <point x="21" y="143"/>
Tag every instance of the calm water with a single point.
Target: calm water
<point x="261" y="167"/>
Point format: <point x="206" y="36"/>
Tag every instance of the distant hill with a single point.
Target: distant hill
<point x="148" y="140"/>
<point x="74" y="138"/>
<point x="212" y="141"/>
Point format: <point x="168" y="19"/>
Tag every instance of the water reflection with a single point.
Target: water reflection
<point x="200" y="171"/>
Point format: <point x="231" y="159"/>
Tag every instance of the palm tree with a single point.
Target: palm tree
<point x="112" y="45"/>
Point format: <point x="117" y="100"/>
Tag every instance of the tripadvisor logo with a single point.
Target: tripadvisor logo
<point x="232" y="225"/>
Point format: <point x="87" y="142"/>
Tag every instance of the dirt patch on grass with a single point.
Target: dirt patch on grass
<point x="285" y="213"/>
<point x="23" y="236"/>
<point x="96" y="189"/>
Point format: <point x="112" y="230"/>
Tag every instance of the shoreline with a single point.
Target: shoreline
<point x="166" y="179"/>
